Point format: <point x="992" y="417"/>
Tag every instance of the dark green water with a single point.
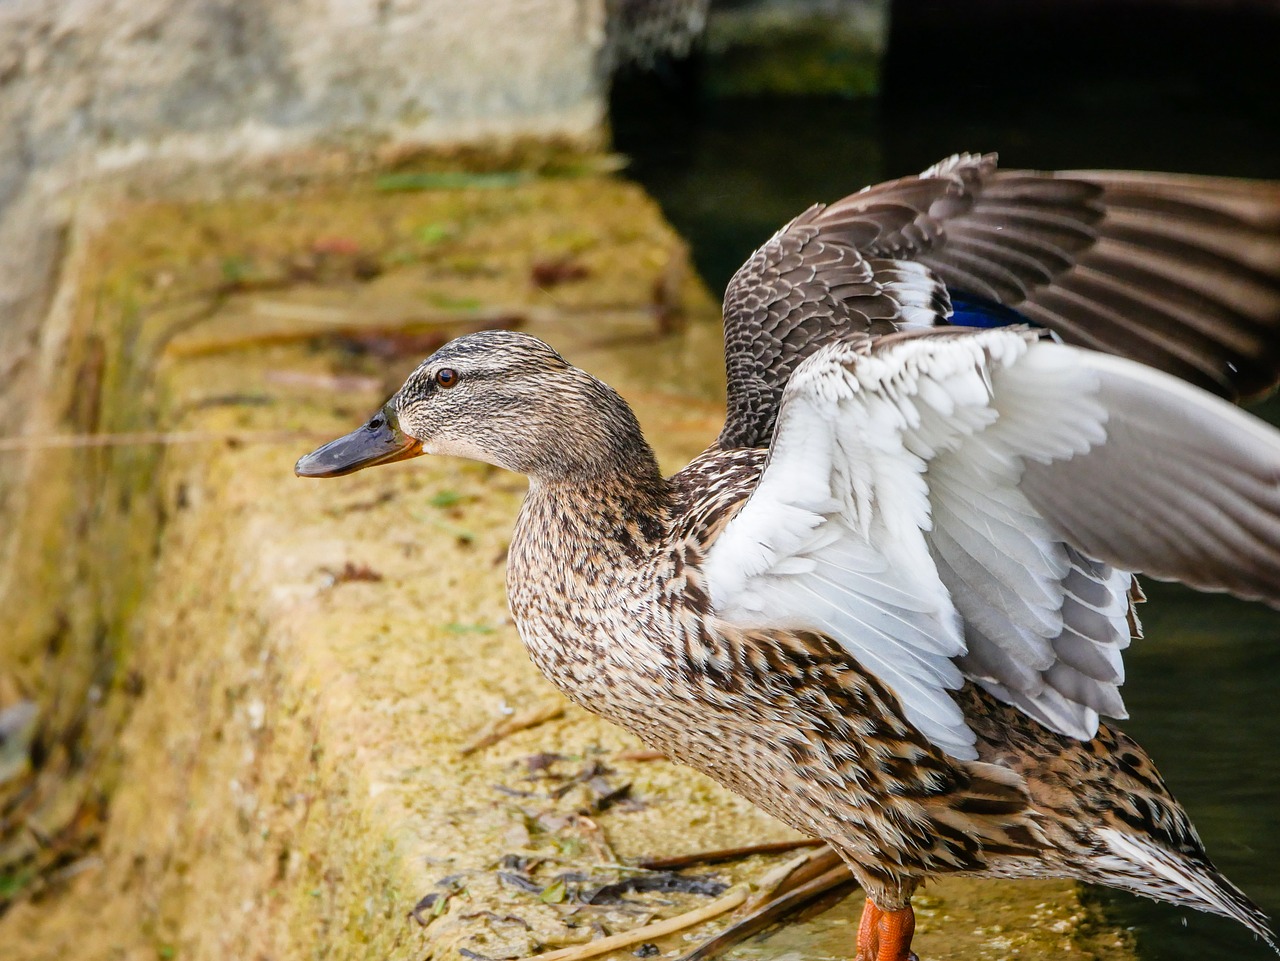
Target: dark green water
<point x="1174" y="90"/>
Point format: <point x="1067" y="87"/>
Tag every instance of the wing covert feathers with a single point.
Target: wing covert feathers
<point x="950" y="504"/>
<point x="1179" y="272"/>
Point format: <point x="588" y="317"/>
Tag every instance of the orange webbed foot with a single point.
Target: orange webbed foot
<point x="886" y="935"/>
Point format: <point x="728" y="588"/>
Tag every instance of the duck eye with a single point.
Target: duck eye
<point x="446" y="377"/>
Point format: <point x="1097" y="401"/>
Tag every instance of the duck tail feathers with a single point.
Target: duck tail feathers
<point x="1155" y="871"/>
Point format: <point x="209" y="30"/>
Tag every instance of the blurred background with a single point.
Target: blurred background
<point x="732" y="115"/>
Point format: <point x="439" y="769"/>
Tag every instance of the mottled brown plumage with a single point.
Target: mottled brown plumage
<point x="616" y="596"/>
<point x="790" y="721"/>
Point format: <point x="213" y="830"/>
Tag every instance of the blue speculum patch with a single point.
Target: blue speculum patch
<point x="968" y="310"/>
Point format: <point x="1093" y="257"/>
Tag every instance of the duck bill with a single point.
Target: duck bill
<point x="381" y="441"/>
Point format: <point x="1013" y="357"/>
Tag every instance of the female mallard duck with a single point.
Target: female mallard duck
<point x="888" y="605"/>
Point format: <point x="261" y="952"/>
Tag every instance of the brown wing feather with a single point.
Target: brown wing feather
<point x="1179" y="272"/>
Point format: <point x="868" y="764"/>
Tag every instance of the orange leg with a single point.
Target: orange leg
<point x="886" y="935"/>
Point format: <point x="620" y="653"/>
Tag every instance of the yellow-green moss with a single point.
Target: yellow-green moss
<point x="756" y="56"/>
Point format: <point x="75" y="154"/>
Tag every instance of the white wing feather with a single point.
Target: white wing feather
<point x="938" y="504"/>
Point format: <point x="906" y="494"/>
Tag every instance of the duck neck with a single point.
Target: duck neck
<point x="577" y="559"/>
<point x="594" y="483"/>
<point x="617" y="506"/>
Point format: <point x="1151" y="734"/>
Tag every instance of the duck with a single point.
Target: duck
<point x="889" y="603"/>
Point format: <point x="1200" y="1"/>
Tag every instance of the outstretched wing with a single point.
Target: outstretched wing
<point x="957" y="503"/>
<point x="1179" y="272"/>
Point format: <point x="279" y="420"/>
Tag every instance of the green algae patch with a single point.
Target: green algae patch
<point x="314" y="731"/>
<point x="779" y="53"/>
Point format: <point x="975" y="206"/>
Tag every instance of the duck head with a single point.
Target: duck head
<point x="500" y="397"/>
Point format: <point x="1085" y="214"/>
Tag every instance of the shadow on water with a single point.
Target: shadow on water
<point x="1048" y="86"/>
